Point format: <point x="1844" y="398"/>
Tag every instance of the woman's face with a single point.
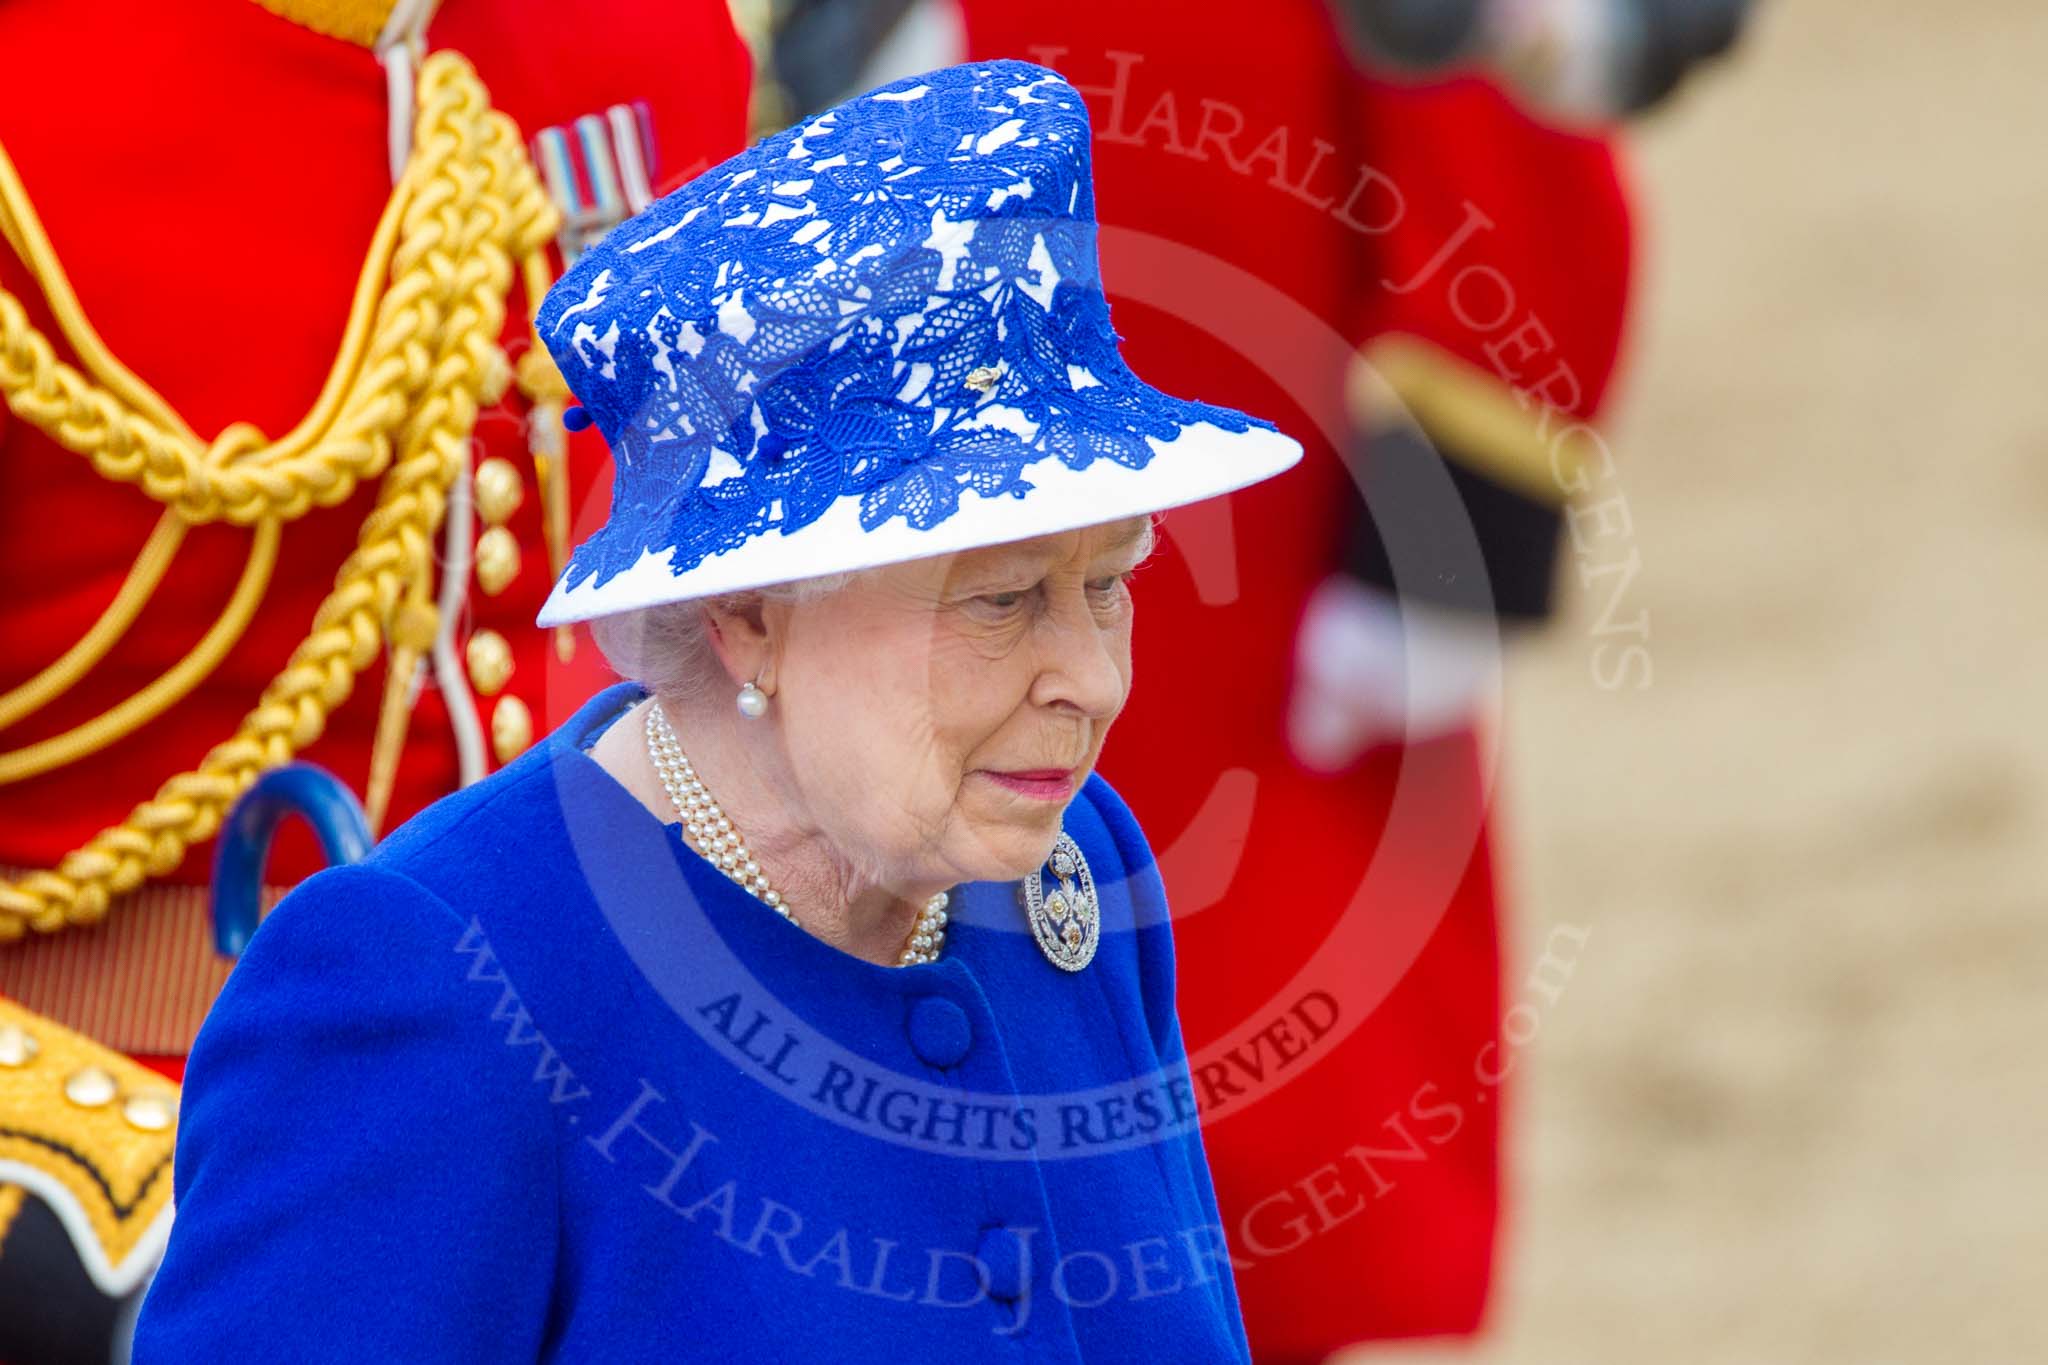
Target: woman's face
<point x="941" y="714"/>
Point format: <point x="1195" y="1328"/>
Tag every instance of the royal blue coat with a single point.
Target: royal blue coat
<point x="534" y="1082"/>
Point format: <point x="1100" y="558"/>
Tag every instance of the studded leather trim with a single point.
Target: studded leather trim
<point x="90" y="1132"/>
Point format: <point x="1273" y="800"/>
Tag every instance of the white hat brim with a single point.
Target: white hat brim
<point x="1203" y="461"/>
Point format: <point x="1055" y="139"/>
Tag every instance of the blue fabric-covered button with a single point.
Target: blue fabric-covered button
<point x="939" y="1030"/>
<point x="1002" y="1255"/>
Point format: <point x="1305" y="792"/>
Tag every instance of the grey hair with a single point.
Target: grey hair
<point x="667" y="648"/>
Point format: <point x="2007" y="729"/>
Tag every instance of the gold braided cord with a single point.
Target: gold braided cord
<point x="24" y="233"/>
<point x="143" y="576"/>
<point x="131" y="436"/>
<point x="418" y="359"/>
<point x="543" y="384"/>
<point x="18" y="765"/>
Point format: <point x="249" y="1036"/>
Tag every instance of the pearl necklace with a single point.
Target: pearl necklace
<point x="711" y="831"/>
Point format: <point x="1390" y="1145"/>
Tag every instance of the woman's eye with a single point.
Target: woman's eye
<point x="1003" y="603"/>
<point x="1100" y="590"/>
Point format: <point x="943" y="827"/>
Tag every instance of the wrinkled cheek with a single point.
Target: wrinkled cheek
<point x="1126" y="698"/>
<point x="922" y="783"/>
<point x="988" y="843"/>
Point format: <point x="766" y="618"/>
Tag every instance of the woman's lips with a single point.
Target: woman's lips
<point x="1043" y="784"/>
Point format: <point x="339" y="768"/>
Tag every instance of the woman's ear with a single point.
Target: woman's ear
<point x="743" y="631"/>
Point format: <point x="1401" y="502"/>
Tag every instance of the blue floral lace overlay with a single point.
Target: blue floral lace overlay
<point x="898" y="299"/>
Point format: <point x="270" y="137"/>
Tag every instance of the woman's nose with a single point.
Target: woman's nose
<point x="1083" y="663"/>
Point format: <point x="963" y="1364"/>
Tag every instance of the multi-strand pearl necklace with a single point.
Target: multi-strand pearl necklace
<point x="709" y="828"/>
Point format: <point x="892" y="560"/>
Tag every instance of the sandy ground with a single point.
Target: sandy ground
<point x="1793" y="1105"/>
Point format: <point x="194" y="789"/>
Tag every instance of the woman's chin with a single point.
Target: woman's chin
<point x="1012" y="850"/>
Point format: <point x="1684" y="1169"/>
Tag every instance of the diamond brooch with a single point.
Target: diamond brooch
<point x="1066" y="920"/>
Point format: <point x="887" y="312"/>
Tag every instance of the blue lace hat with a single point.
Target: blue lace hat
<point x="876" y="336"/>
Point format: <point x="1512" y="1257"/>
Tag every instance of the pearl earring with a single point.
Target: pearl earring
<point x="753" y="702"/>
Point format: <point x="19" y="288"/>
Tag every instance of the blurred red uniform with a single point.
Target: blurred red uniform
<point x="1267" y="210"/>
<point x="210" y="175"/>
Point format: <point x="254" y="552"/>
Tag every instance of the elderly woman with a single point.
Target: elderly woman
<point x="807" y="996"/>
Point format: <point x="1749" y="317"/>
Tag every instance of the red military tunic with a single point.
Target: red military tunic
<point x="210" y="175"/>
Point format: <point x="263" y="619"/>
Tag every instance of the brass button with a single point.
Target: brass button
<point x="18" y="1047"/>
<point x="152" y="1113"/>
<point x="497" y="560"/>
<point x="414" y="625"/>
<point x="498" y="490"/>
<point x="539" y="378"/>
<point x="490" y="662"/>
<point x="89" y="1087"/>
<point x="511" y="728"/>
<point x="496" y="376"/>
